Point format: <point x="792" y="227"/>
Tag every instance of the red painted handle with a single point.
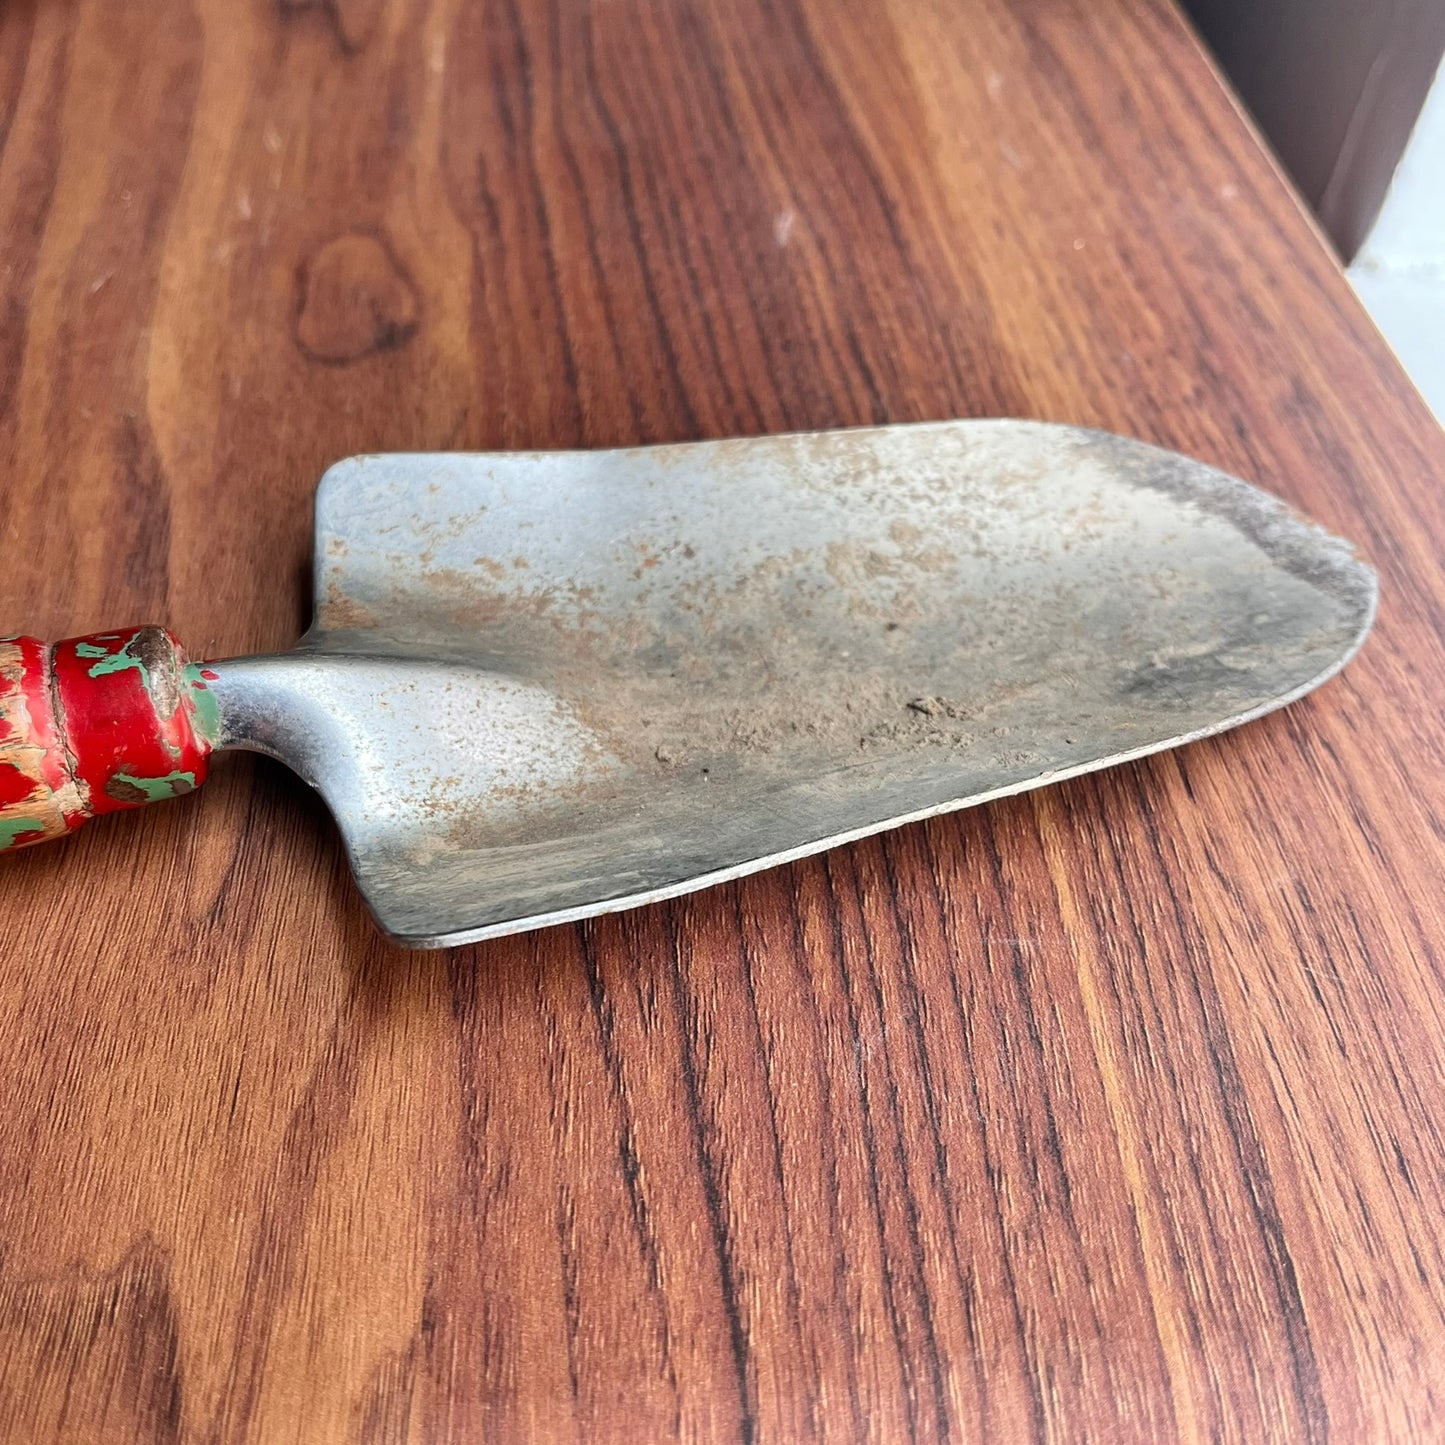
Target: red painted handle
<point x="95" y="724"/>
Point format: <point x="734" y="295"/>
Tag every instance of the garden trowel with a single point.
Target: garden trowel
<point x="545" y="685"/>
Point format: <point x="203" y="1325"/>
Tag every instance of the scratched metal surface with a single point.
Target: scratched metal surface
<point x="545" y="685"/>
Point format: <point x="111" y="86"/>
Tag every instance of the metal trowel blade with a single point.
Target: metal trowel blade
<point x="542" y="686"/>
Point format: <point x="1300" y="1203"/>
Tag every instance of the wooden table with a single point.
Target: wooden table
<point x="1113" y="1112"/>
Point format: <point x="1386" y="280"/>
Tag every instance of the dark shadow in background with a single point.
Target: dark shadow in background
<point x="1336" y="86"/>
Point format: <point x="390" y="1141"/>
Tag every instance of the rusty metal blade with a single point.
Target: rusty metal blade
<point x="546" y="685"/>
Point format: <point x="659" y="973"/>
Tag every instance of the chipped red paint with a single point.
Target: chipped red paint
<point x="42" y="732"/>
<point x="15" y="787"/>
<point x="209" y="675"/>
<point x="127" y="716"/>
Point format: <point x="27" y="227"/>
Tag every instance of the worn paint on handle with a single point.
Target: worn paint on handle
<point x="95" y="724"/>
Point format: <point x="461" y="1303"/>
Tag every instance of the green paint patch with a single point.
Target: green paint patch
<point x="150" y="790"/>
<point x="13" y="829"/>
<point x="118" y="662"/>
<point x="205" y="714"/>
<point x="89" y="649"/>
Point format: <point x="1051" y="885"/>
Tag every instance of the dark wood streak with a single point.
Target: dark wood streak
<point x="705" y="1145"/>
<point x="1110" y="1113"/>
<point x="765" y="1054"/>
<point x="351" y="21"/>
<point x="144" y="553"/>
<point x="115" y="1335"/>
<point x="627" y="1149"/>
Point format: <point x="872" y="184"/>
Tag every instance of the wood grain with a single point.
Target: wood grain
<point x="1109" y="1113"/>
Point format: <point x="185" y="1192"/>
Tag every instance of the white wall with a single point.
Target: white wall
<point x="1400" y="273"/>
